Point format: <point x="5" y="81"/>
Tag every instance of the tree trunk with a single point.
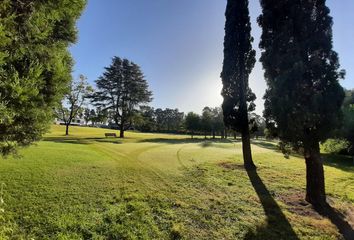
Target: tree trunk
<point x="246" y="149"/>
<point x="67" y="129"/>
<point x="226" y="133"/>
<point x="315" y="183"/>
<point x="235" y="135"/>
<point x="121" y="131"/>
<point x="213" y="134"/>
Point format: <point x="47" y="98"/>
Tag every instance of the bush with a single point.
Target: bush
<point x="336" y="146"/>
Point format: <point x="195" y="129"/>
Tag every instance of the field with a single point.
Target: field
<point x="156" y="186"/>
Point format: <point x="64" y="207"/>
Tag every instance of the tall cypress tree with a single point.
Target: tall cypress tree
<point x="304" y="96"/>
<point x="239" y="60"/>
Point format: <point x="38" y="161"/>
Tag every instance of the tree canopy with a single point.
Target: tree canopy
<point x="239" y="60"/>
<point x="74" y="99"/>
<point x="35" y="65"/>
<point x="304" y="97"/>
<point x="193" y="123"/>
<point x="120" y="90"/>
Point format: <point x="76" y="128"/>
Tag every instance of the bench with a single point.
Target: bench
<point x="110" y="135"/>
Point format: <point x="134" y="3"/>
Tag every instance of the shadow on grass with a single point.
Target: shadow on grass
<point x="204" y="142"/>
<point x="345" y="163"/>
<point x="278" y="226"/>
<point x="338" y="219"/>
<point x="342" y="162"/>
<point x="266" y="144"/>
<point x="83" y="141"/>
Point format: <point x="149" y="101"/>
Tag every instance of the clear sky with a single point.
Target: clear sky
<point x="179" y="46"/>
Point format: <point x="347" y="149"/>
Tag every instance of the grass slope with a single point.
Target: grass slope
<point x="158" y="186"/>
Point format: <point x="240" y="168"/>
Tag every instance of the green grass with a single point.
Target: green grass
<point x="160" y="186"/>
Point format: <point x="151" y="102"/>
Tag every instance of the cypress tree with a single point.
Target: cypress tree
<point x="303" y="97"/>
<point x="239" y="60"/>
<point x="35" y="65"/>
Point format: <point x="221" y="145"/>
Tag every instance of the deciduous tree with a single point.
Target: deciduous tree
<point x="73" y="101"/>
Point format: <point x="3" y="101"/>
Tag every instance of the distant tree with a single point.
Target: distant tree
<point x="169" y="120"/>
<point x="87" y="115"/>
<point x="239" y="60"/>
<point x="148" y="115"/>
<point x="120" y="90"/>
<point x="73" y="101"/>
<point x="257" y="125"/>
<point x="101" y="116"/>
<point x="207" y="121"/>
<point x="347" y="129"/>
<point x="303" y="97"/>
<point x="93" y="117"/>
<point x="174" y="119"/>
<point x="192" y="123"/>
<point x="160" y="119"/>
<point x="145" y="121"/>
<point x="217" y="121"/>
<point x="35" y="66"/>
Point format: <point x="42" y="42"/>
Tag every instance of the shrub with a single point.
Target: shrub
<point x="336" y="146"/>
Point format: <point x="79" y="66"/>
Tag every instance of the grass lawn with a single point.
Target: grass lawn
<point x="159" y="186"/>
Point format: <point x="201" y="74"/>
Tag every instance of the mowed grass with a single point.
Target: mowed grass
<point x="160" y="186"/>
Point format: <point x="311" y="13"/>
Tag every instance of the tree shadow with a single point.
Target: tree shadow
<point x="338" y="219"/>
<point x="278" y="226"/>
<point x="82" y="141"/>
<point x="342" y="162"/>
<point x="267" y="145"/>
<point x="204" y="142"/>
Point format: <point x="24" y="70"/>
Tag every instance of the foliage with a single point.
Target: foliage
<point x="207" y="120"/>
<point x="239" y="60"/>
<point x="74" y="99"/>
<point x="303" y="97"/>
<point x="168" y="119"/>
<point x="149" y="119"/>
<point x="336" y="146"/>
<point x="35" y="66"/>
<point x="192" y="123"/>
<point x="217" y="121"/>
<point x="120" y="90"/>
<point x="347" y="129"/>
<point x="257" y="124"/>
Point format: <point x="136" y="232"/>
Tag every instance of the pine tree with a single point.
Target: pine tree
<point x="239" y="60"/>
<point x="121" y="89"/>
<point x="303" y="97"/>
<point x="35" y="66"/>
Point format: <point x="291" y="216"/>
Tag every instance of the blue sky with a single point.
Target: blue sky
<point x="179" y="46"/>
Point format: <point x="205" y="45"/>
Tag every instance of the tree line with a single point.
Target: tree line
<point x="121" y="98"/>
